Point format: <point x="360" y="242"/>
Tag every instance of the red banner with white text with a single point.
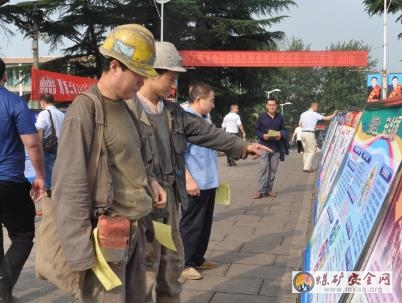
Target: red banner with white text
<point x="274" y="58"/>
<point x="63" y="87"/>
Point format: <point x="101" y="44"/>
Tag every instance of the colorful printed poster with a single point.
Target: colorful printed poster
<point x="336" y="154"/>
<point x="394" y="85"/>
<point x="387" y="253"/>
<point x="358" y="194"/>
<point x="374" y="87"/>
<point x="332" y="130"/>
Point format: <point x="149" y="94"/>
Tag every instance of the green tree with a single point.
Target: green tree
<point x="345" y="88"/>
<point x="12" y="14"/>
<point x="190" y="24"/>
<point x="376" y="7"/>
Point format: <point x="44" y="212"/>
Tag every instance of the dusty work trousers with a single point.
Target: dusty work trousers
<point x="130" y="272"/>
<point x="309" y="145"/>
<point x="266" y="176"/>
<point x="164" y="266"/>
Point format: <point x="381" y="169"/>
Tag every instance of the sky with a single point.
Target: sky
<point x="322" y="22"/>
<point x="317" y="22"/>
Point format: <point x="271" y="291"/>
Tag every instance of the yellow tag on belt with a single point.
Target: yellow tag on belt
<point x="102" y="270"/>
<point x="163" y="234"/>
<point x="222" y="195"/>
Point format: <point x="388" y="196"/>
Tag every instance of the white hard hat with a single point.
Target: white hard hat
<point x="167" y="57"/>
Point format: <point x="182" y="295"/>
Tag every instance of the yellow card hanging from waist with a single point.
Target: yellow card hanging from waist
<point x="223" y="194"/>
<point x="101" y="269"/>
<point x="163" y="234"/>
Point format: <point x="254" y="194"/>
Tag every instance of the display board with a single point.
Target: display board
<point x="357" y="196"/>
<point x="387" y="253"/>
<point x="374" y="83"/>
<point x="332" y="163"/>
<point x="394" y="85"/>
<point x="332" y="131"/>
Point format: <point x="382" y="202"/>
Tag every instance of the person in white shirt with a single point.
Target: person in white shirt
<point x="44" y="127"/>
<point x="232" y="124"/>
<point x="308" y="121"/>
<point x="297" y="134"/>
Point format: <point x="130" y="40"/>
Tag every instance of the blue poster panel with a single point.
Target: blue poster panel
<point x="335" y="156"/>
<point x="387" y="254"/>
<point x="374" y="82"/>
<point x="394" y="85"/>
<point x="358" y="194"/>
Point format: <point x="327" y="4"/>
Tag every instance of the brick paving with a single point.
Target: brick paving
<point x="257" y="243"/>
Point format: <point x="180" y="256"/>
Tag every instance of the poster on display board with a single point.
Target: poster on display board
<point x="374" y="82"/>
<point x="333" y="132"/>
<point x="333" y="129"/>
<point x="358" y="194"/>
<point x="387" y="253"/>
<point x="394" y="85"/>
<point x="336" y="154"/>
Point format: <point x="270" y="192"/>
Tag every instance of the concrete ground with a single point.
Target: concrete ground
<point x="257" y="243"/>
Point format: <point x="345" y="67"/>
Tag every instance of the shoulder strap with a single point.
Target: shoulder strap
<point x="97" y="141"/>
<point x="52" y="129"/>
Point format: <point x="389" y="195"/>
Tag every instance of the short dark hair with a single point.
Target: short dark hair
<point x="199" y="90"/>
<point x="105" y="61"/>
<point x="48" y="98"/>
<point x="2" y="68"/>
<point x="374" y="78"/>
<point x="313" y="102"/>
<point x="395" y="77"/>
<point x="272" y="99"/>
<point x="161" y="71"/>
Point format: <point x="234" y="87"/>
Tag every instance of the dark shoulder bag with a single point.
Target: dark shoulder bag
<point x="50" y="143"/>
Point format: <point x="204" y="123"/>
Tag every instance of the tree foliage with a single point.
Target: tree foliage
<point x="376" y="7"/>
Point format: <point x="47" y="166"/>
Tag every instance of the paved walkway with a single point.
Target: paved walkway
<point x="257" y="243"/>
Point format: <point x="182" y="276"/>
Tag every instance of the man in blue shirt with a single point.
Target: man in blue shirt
<point x="17" y="211"/>
<point x="202" y="179"/>
<point x="270" y="130"/>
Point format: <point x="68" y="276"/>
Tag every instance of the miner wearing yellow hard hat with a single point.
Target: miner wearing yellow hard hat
<point x="168" y="129"/>
<point x="100" y="180"/>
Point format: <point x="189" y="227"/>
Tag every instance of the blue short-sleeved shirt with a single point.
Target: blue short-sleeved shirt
<point x="202" y="163"/>
<point x="15" y="120"/>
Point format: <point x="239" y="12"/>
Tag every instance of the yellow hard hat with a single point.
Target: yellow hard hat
<point x="134" y="46"/>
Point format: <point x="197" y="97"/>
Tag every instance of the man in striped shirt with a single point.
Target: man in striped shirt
<point x="231" y="124"/>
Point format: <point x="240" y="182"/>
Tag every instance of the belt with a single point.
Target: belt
<point x="308" y="131"/>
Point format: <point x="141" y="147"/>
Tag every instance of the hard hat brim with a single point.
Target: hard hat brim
<point x="148" y="73"/>
<point x="173" y="69"/>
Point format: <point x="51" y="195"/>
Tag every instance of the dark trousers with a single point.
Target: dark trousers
<point x="195" y="226"/>
<point x="228" y="157"/>
<point x="17" y="214"/>
<point x="299" y="146"/>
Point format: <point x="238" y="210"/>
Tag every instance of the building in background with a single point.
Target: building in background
<point x="18" y="73"/>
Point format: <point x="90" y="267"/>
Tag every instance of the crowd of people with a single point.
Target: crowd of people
<point x="122" y="157"/>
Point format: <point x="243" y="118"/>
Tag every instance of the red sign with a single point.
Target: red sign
<point x="274" y="59"/>
<point x="63" y="87"/>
